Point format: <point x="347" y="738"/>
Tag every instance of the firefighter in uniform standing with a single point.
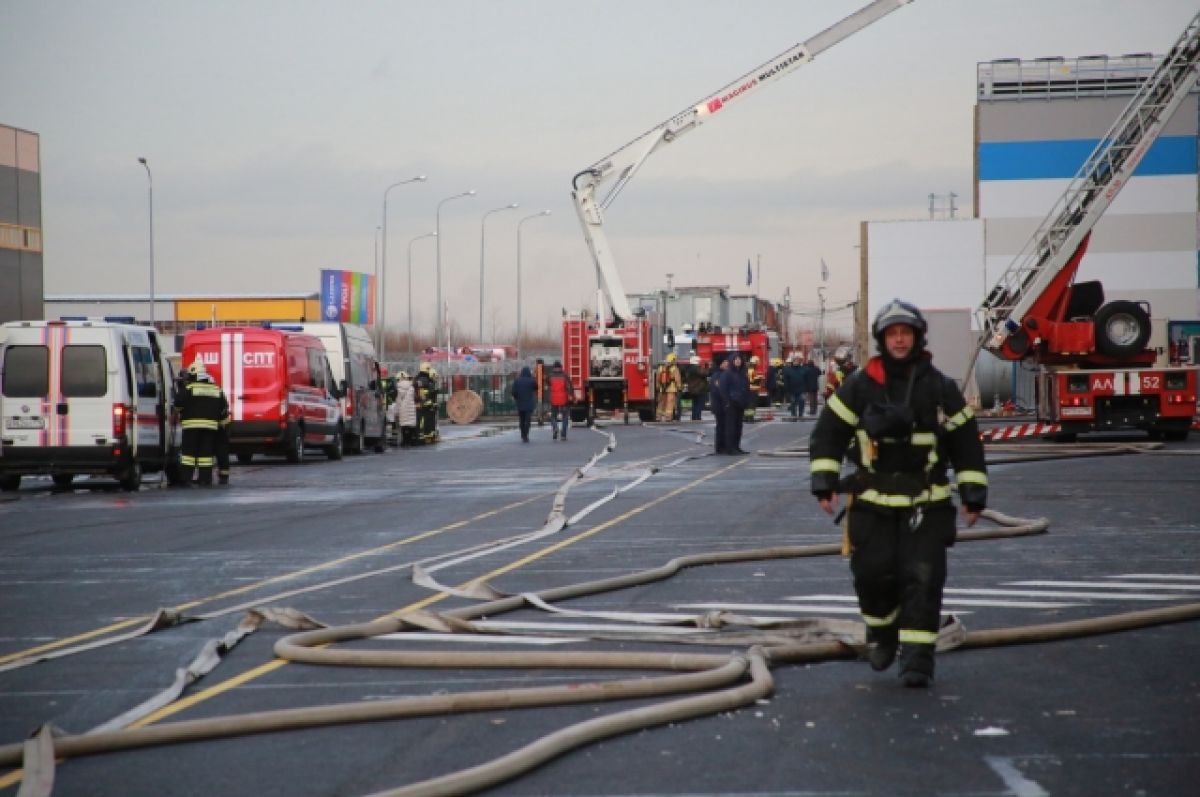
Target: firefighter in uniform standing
<point x="669" y="383"/>
<point x="903" y="423"/>
<point x="202" y="406"/>
<point x="426" y="390"/>
<point x="754" y="376"/>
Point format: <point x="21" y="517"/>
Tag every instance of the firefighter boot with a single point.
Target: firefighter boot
<point x="916" y="666"/>
<point x="882" y="644"/>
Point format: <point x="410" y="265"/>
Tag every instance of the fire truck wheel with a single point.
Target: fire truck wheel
<point x="1122" y="328"/>
<point x="10" y="482"/>
<point x="245" y="457"/>
<point x="646" y="416"/>
<point x="63" y="480"/>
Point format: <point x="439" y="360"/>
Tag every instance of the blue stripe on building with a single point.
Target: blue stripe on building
<point x="1041" y="160"/>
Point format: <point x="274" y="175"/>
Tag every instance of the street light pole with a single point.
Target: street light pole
<point x="438" y="230"/>
<point x="482" y="226"/>
<point x="411" y="350"/>
<point x="519" y="223"/>
<point x="382" y="315"/>
<point x="150" y="181"/>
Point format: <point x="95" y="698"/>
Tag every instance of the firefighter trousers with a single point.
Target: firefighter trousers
<point x="899" y="572"/>
<point x="197" y="452"/>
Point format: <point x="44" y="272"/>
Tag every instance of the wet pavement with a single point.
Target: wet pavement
<point x="1111" y="714"/>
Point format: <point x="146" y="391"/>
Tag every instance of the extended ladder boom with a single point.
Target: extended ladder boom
<point x="1090" y="192"/>
<point x="624" y="163"/>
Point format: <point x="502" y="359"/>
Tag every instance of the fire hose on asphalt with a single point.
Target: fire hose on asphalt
<point x="710" y="683"/>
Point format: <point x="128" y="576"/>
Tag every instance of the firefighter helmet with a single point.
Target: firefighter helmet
<point x="402" y="374"/>
<point x="671" y="357"/>
<point x="694" y="360"/>
<point x="898" y="312"/>
<point x="754" y="359"/>
<point x="197" y="369"/>
<point x="426" y="368"/>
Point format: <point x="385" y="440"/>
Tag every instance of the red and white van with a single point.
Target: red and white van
<point x="281" y="392"/>
<point x="85" y="396"/>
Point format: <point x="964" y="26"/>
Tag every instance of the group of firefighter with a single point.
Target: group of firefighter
<point x="412" y="406"/>
<point x="795" y="383"/>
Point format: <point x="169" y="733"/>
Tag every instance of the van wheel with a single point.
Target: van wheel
<point x="63" y="480"/>
<point x="245" y="457"/>
<point x="131" y="478"/>
<point x="295" y="446"/>
<point x="354" y="443"/>
<point x="10" y="482"/>
<point x="334" y="450"/>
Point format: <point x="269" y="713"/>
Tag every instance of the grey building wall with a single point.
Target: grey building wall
<point x="21" y="270"/>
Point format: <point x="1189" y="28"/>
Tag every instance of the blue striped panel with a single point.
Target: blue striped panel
<point x="1040" y="160"/>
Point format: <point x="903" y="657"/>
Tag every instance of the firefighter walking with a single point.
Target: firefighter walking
<point x="202" y="407"/>
<point x="902" y="422"/>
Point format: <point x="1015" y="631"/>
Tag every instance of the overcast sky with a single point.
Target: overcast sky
<point x="273" y="128"/>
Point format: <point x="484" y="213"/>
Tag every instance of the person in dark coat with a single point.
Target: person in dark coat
<point x="716" y="400"/>
<point x="525" y="394"/>
<point x="811" y="384"/>
<point x="736" y="389"/>
<point x="793" y="386"/>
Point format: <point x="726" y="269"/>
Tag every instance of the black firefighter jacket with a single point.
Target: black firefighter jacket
<point x="902" y="455"/>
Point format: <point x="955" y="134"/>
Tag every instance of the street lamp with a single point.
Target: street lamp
<point x="482" y="225"/>
<point x="150" y="181"/>
<point x="410" y="243"/>
<point x="379" y="322"/>
<point x="438" y="230"/>
<point x="519" y="223"/>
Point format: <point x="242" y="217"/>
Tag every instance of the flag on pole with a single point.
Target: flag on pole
<point x="749" y="273"/>
<point x="824" y="271"/>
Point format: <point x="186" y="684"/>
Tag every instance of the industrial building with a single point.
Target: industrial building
<point x="21" y="276"/>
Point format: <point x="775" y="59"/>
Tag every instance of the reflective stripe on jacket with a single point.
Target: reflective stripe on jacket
<point x="899" y="471"/>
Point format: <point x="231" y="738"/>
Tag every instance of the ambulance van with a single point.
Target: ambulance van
<point x="85" y="396"/>
<point x="356" y="368"/>
<point x="281" y="392"/>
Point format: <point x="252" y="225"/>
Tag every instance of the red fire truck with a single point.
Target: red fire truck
<point x="714" y="346"/>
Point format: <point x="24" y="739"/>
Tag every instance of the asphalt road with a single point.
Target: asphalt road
<point x="1113" y="714"/>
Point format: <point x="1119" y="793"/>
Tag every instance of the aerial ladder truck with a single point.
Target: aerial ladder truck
<point x="609" y="359"/>
<point x="1094" y="372"/>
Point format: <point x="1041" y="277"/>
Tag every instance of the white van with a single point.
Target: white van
<point x="356" y="369"/>
<point x="85" y="396"/>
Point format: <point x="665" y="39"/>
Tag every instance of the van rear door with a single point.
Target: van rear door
<point x="247" y="369"/>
